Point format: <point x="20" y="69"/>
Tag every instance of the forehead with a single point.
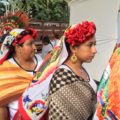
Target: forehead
<point x="29" y="40"/>
<point x="91" y="40"/>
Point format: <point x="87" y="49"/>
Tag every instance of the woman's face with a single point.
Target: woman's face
<point x="28" y="49"/>
<point x="86" y="51"/>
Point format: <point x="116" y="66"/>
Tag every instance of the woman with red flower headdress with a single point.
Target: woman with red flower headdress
<point x="18" y="64"/>
<point x="72" y="91"/>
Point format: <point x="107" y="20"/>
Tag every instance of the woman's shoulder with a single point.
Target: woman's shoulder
<point x="63" y="75"/>
<point x="63" y="70"/>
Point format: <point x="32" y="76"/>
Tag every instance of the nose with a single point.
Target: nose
<point x="94" y="50"/>
<point x="34" y="46"/>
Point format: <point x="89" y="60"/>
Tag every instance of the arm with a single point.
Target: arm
<point x="3" y="113"/>
<point x="57" y="101"/>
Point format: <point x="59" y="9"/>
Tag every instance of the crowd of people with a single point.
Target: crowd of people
<point x="51" y="86"/>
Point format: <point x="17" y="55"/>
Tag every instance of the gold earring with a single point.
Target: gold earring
<point x="73" y="58"/>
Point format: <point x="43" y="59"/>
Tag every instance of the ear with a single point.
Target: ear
<point x="17" y="48"/>
<point x="73" y="49"/>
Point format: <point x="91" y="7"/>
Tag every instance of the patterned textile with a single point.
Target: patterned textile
<point x="71" y="98"/>
<point x="13" y="81"/>
<point x="33" y="106"/>
<point x="8" y="40"/>
<point x="109" y="90"/>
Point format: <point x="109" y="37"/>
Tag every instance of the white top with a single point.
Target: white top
<point x="54" y="42"/>
<point x="46" y="49"/>
<point x="13" y="106"/>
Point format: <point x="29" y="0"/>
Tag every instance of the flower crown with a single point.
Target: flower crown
<point x="80" y="33"/>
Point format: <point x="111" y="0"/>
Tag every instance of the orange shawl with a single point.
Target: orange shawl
<point x="13" y="81"/>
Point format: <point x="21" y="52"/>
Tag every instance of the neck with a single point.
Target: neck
<point x="77" y="65"/>
<point x="21" y="61"/>
<point x="26" y="64"/>
<point x="77" y="69"/>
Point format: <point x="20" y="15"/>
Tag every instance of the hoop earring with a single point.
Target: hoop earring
<point x="73" y="58"/>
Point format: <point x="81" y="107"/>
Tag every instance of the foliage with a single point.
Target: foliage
<point x="49" y="10"/>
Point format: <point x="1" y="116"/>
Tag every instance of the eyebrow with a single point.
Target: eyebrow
<point x="92" y="42"/>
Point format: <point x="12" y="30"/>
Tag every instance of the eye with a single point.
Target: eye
<point x="95" y="44"/>
<point x="91" y="44"/>
<point x="30" y="43"/>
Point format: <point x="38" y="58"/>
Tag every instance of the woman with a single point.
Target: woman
<point x="64" y="89"/>
<point x="72" y="92"/>
<point x="19" y="62"/>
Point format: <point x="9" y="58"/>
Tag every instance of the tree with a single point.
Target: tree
<point x="49" y="10"/>
<point x="3" y="6"/>
<point x="2" y="9"/>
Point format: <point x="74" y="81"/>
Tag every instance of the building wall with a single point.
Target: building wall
<point x="105" y="15"/>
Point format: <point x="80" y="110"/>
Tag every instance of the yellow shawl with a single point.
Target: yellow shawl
<point x="13" y="81"/>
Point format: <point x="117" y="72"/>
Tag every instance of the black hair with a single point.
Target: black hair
<point x="57" y="36"/>
<point x="12" y="51"/>
<point x="67" y="47"/>
<point x="46" y="39"/>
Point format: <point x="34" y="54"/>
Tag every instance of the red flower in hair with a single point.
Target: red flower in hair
<point x="80" y="33"/>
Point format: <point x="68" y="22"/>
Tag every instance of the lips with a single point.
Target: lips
<point x="92" y="56"/>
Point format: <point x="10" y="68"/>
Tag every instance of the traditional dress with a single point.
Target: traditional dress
<point x="13" y="81"/>
<point x="108" y="107"/>
<point x="13" y="78"/>
<point x="71" y="97"/>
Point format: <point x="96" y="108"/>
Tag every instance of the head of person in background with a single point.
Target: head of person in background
<point x="57" y="36"/>
<point x="46" y="40"/>
<point x="56" y="39"/>
<point x="47" y="46"/>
